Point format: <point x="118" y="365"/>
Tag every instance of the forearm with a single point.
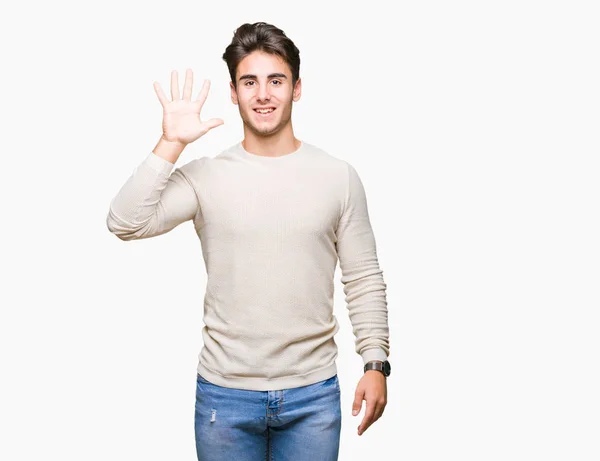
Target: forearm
<point x="154" y="199"/>
<point x="366" y="302"/>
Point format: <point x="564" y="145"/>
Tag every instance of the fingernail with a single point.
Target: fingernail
<point x="354" y="412"/>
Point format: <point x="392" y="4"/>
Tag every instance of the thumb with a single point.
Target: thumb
<point x="357" y="404"/>
<point x="214" y="122"/>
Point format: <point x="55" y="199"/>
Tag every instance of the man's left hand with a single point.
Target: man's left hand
<point x="372" y="387"/>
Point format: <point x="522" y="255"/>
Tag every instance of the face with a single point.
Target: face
<point x="264" y="80"/>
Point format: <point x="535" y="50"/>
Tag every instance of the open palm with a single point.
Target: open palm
<point x="181" y="116"/>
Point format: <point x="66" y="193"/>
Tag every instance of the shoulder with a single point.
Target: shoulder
<point x="343" y="167"/>
<point x="193" y="167"/>
<point x="197" y="166"/>
<point x="194" y="171"/>
<point x="328" y="159"/>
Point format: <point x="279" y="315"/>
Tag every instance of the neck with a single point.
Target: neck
<point x="281" y="143"/>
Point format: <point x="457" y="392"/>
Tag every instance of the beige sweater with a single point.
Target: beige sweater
<point x="271" y="230"/>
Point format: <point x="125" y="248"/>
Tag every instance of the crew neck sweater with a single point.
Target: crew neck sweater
<point x="272" y="230"/>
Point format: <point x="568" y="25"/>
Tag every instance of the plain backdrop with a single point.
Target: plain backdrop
<point x="474" y="127"/>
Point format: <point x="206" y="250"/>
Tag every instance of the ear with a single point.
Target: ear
<point x="297" y="90"/>
<point x="234" y="98"/>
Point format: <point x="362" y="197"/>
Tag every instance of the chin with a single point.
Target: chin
<point x="265" y="128"/>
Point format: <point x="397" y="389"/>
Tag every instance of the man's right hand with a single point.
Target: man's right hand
<point x="181" y="117"/>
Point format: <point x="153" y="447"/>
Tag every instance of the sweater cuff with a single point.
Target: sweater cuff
<point x="158" y="164"/>
<point x="374" y="353"/>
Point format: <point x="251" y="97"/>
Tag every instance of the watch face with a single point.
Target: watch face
<point x="387" y="368"/>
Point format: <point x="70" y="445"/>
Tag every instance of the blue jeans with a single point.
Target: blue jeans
<point x="297" y="424"/>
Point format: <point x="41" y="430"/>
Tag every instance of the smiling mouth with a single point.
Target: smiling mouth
<point x="263" y="113"/>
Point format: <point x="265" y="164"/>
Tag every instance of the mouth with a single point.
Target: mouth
<point x="266" y="112"/>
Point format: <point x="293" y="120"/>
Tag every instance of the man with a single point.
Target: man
<point x="273" y="214"/>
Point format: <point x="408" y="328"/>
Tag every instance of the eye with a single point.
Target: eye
<point x="273" y="81"/>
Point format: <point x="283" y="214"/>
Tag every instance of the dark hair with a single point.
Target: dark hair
<point x="261" y="36"/>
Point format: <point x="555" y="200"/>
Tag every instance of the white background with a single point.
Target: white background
<point x="474" y="127"/>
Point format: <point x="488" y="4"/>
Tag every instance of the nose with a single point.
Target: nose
<point x="263" y="93"/>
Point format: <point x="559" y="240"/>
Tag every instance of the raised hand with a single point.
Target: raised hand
<point x="181" y="116"/>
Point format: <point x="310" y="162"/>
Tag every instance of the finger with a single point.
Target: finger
<point x="378" y="413"/>
<point x="174" y="85"/>
<point x="368" y="419"/>
<point x="203" y="92"/>
<point x="368" y="424"/>
<point x="162" y="97"/>
<point x="187" y="86"/>
<point x="357" y="403"/>
<point x="214" y="122"/>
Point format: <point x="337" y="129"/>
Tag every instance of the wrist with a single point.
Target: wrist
<point x="380" y="366"/>
<point x="169" y="150"/>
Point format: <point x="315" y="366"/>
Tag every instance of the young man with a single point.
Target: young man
<point x="273" y="214"/>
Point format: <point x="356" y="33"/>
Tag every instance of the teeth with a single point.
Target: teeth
<point x="264" y="111"/>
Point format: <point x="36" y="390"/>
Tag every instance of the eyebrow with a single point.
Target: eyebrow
<point x="275" y="75"/>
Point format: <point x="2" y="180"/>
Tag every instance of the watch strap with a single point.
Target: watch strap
<point x="374" y="366"/>
<point x="379" y="366"/>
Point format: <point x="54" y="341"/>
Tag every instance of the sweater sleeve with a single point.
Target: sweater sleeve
<point x="152" y="201"/>
<point x="362" y="277"/>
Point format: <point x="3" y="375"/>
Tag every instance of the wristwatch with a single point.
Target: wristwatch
<point x="384" y="367"/>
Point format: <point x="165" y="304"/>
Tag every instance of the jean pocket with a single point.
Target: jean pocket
<point x="332" y="382"/>
<point x="337" y="383"/>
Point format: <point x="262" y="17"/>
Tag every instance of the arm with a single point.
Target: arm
<point x="153" y="200"/>
<point x="362" y="277"/>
